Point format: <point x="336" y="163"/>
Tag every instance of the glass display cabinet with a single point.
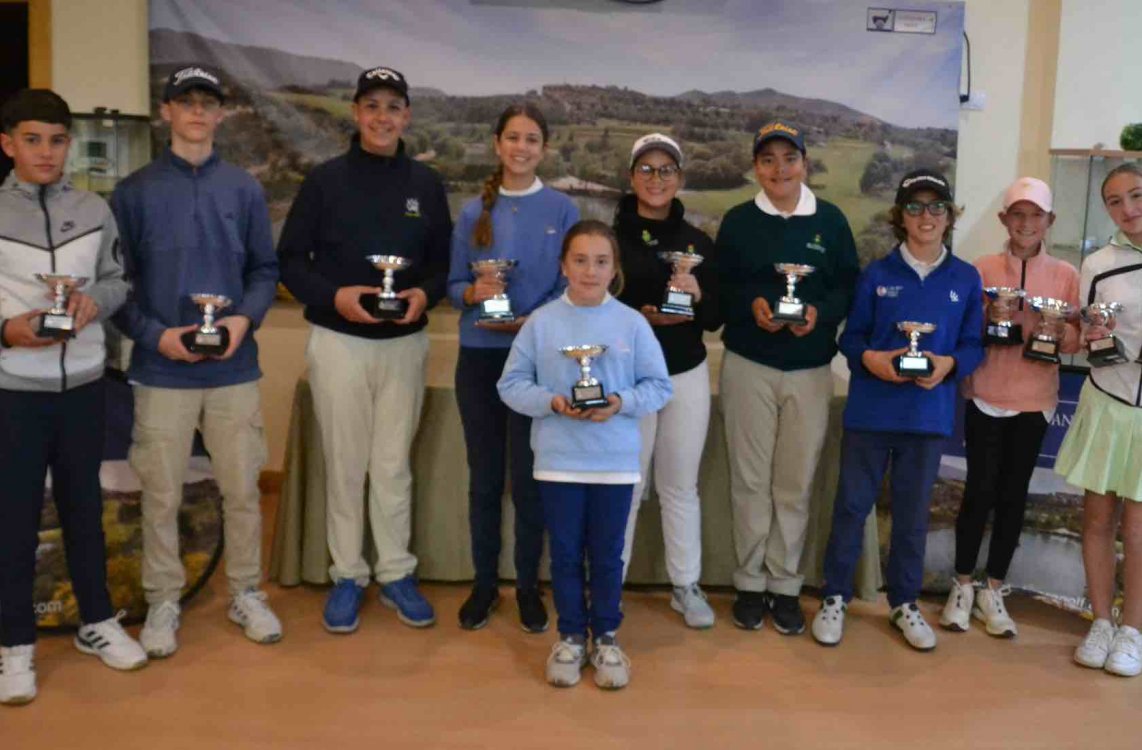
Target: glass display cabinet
<point x="106" y="147"/>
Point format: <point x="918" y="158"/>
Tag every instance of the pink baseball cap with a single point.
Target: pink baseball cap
<point x="1028" y="189"/>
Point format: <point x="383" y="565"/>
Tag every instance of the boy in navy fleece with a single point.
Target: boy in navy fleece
<point x="890" y="418"/>
<point x="192" y="223"/>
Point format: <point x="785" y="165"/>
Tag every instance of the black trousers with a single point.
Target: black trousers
<point x="1001" y="454"/>
<point x="490" y="429"/>
<point x="63" y="432"/>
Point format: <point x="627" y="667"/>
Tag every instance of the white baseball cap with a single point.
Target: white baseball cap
<point x="657" y="141"/>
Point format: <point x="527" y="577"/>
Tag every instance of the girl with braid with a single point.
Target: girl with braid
<point x="515" y="218"/>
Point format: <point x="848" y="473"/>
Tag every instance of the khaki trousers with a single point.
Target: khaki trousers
<point x="230" y="419"/>
<point x="775" y="425"/>
<point x="367" y="395"/>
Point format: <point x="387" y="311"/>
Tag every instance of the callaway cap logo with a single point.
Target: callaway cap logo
<point x="778" y="127"/>
<point x="922" y="178"/>
<point x="384" y="74"/>
<point x="185" y="73"/>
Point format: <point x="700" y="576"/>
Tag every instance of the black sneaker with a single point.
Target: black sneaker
<point x="749" y="610"/>
<point x="532" y="613"/>
<point x="478" y="607"/>
<point x="788" y="619"/>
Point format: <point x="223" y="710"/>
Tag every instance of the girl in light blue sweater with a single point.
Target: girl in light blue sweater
<point x="586" y="459"/>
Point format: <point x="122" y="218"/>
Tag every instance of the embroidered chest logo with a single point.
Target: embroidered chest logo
<point x="412" y="208"/>
<point x="647" y="239"/>
<point x="953" y="296"/>
<point x="816" y="244"/>
<point x="67" y="226"/>
<point x="549" y="230"/>
<point x="888" y="291"/>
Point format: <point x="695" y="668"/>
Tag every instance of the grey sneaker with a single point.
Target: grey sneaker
<point x="158" y="635"/>
<point x="1095" y="648"/>
<point x="612" y="667"/>
<point x="566" y="661"/>
<point x="691" y="602"/>
<point x="258" y="621"/>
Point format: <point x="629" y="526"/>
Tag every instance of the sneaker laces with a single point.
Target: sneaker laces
<point x="112" y="630"/>
<point x="1129" y="644"/>
<point x="687" y="593"/>
<point x="253" y="605"/>
<point x="914" y="618"/>
<point x="997" y="596"/>
<point x="17" y="659"/>
<point x="162" y="616"/>
<point x="610" y="655"/>
<point x="834" y="607"/>
<point x="567" y="652"/>
<point x="1099" y="637"/>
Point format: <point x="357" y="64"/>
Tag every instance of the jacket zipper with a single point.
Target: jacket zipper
<point x="1022" y="280"/>
<point x="52" y="255"/>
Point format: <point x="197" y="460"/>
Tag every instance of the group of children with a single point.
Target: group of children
<point x="190" y="222"/>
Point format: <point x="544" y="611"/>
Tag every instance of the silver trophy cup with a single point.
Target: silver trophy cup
<point x="1043" y="343"/>
<point x="208" y="339"/>
<point x="1003" y="302"/>
<point x="914" y="363"/>
<point x="587" y="391"/>
<point x="498" y="307"/>
<point x="56" y="323"/>
<point x="386" y="305"/>
<point x="1102" y="346"/>
<point x="789" y="308"/>
<point x="676" y="301"/>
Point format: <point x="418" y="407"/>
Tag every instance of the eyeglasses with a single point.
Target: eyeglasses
<point x="935" y="208"/>
<point x="665" y="172"/>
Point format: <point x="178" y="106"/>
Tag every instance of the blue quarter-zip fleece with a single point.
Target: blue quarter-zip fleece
<point x="888" y="292"/>
<point x="187" y="229"/>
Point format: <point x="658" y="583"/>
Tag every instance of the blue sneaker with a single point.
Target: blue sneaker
<point x="343" y="606"/>
<point x="411" y="606"/>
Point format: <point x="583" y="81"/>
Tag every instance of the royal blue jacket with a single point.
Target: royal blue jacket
<point x="890" y="291"/>
<point x="187" y="229"/>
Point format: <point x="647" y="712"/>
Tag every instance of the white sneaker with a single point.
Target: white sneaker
<point x="258" y="621"/>
<point x="691" y="602"/>
<point x="829" y="623"/>
<point x="158" y="634"/>
<point x="566" y="661"/>
<point x="17" y="674"/>
<point x="957" y="611"/>
<point x="612" y="667"/>
<point x="1125" y="659"/>
<point x="991" y="611"/>
<point x="1095" y="648"/>
<point x="911" y="622"/>
<point x="111" y="644"/>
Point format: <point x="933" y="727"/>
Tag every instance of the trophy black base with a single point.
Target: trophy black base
<point x="207" y="344"/>
<point x="588" y="396"/>
<point x="1001" y="335"/>
<point x="908" y="366"/>
<point x="677" y="303"/>
<point x="792" y="313"/>
<point x="1042" y="350"/>
<point x="58" y="327"/>
<point x="1105" y="351"/>
<point x="384" y="308"/>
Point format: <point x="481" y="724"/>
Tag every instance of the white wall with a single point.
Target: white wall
<point x="99" y="54"/>
<point x="1099" y="84"/>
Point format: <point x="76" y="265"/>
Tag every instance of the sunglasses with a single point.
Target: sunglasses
<point x="665" y="172"/>
<point x="935" y="208"/>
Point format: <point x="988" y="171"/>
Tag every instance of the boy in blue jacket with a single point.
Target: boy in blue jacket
<point x="893" y="418"/>
<point x="193" y="224"/>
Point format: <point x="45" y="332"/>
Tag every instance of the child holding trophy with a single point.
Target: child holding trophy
<point x="197" y="241"/>
<point x="669" y="277"/>
<point x="776" y="382"/>
<point x="51" y="385"/>
<point x="1101" y="450"/>
<point x="1011" y="400"/>
<point x="505" y="263"/>
<point x="902" y="401"/>
<point x="585" y="435"/>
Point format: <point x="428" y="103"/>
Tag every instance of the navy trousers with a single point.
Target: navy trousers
<point x="865" y="458"/>
<point x="586" y="523"/>
<point x="491" y="429"/>
<point x="63" y="432"/>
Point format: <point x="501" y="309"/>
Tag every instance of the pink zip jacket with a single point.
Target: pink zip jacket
<point x="1006" y="379"/>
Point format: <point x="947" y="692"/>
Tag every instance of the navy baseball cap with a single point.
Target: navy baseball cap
<point x="779" y="129"/>
<point x="923" y="179"/>
<point x="382" y="77"/>
<point x="193" y="77"/>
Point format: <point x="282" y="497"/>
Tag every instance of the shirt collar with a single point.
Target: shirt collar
<point x="806" y="204"/>
<point x="1122" y="240"/>
<point x="535" y="187"/>
<point x="920" y="267"/>
<point x="566" y="298"/>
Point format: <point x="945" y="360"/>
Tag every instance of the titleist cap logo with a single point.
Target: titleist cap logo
<point x="186" y="73"/>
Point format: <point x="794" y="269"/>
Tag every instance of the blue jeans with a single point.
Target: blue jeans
<point x="586" y="523"/>
<point x="491" y="429"/>
<point x="865" y="457"/>
<point x="63" y="431"/>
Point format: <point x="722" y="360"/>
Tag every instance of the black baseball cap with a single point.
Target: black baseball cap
<point x="193" y="77"/>
<point x="923" y="179"/>
<point x="779" y="129"/>
<point x="381" y="77"/>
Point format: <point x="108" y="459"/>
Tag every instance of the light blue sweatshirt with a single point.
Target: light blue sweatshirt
<point x="632" y="367"/>
<point x="527" y="227"/>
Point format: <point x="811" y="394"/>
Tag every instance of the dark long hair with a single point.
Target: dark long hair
<point x="482" y="233"/>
